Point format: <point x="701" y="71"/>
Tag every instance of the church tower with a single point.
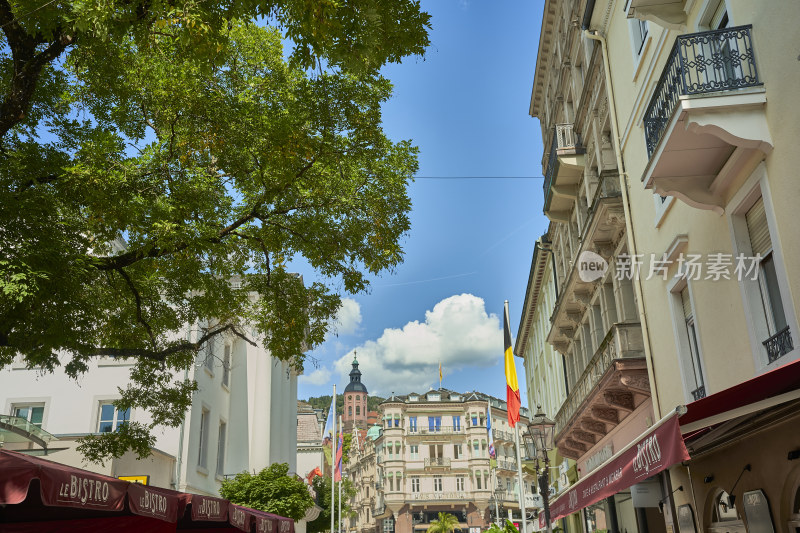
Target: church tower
<point x="355" y="401"/>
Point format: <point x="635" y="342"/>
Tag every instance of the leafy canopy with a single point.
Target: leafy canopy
<point x="322" y="488"/>
<point x="153" y="151"/>
<point x="272" y="490"/>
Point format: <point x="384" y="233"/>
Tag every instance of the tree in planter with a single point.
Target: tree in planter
<point x="322" y="487"/>
<point x="180" y="127"/>
<point x="446" y="523"/>
<point x="272" y="490"/>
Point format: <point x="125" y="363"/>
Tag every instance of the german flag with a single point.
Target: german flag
<point x="512" y="387"/>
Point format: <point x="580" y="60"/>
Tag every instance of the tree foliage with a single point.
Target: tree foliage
<point x="324" y="403"/>
<point x="446" y="523"/>
<point x="151" y="152"/>
<point x="272" y="490"/>
<point x="322" y="487"/>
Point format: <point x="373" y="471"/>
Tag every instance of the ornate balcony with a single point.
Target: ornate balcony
<point x="437" y="462"/>
<point x="435" y="431"/>
<point x="612" y="386"/>
<point x="779" y="344"/>
<point x="705" y="123"/>
<point x="563" y="172"/>
<point x="507" y="465"/>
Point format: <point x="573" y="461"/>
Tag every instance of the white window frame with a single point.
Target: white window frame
<point x="202" y="443"/>
<point x="662" y="208"/>
<point x="415" y="484"/>
<point x="757" y="185"/>
<point x="681" y="334"/>
<point x="226" y="365"/>
<point x="640" y="42"/>
<point x="222" y="440"/>
<point x="438" y="484"/>
<point x="27" y="404"/>
<point x="116" y="422"/>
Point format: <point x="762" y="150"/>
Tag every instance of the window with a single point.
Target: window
<point x="475" y="449"/>
<point x="32" y="413"/>
<point x="474" y="420"/>
<point x="478" y="480"/>
<point x="397" y="421"/>
<point x="457" y="451"/>
<point x="414" y="450"/>
<point x="209" y="359"/>
<point x="226" y="366"/>
<point x="639" y="35"/>
<point x="223" y="429"/>
<point x="350" y="411"/>
<point x="415" y="484"/>
<point x="779" y="341"/>
<point x="457" y="423"/>
<point x="202" y="448"/>
<point x="110" y="418"/>
<point x="460" y="483"/>
<point x="437" y="483"/>
<point x="412" y="424"/>
<point x="358" y="410"/>
<point x="434" y="424"/>
<point x="696" y="384"/>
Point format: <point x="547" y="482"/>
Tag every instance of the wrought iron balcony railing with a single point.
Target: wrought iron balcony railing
<point x="779" y="344"/>
<point x="564" y="138"/>
<point x="442" y="462"/>
<point x="507" y="465"/>
<point x="699" y="392"/>
<point x="705" y="62"/>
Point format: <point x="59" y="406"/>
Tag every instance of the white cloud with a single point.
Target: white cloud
<point x="348" y="317"/>
<point x="319" y="376"/>
<point x="457" y="331"/>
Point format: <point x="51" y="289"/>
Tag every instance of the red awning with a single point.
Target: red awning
<point x="660" y="447"/>
<point x="70" y="499"/>
<point x="771" y="388"/>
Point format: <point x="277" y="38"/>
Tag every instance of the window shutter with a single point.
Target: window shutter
<point x="758" y="229"/>
<point x="686" y="302"/>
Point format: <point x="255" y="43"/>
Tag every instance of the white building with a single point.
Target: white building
<point x="242" y="417"/>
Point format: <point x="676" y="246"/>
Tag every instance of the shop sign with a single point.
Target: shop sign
<point x="604" y="454"/>
<point x="756" y="508"/>
<point x="142" y="480"/>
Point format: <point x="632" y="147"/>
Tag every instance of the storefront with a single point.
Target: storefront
<point x="744" y="472"/>
<point x="40" y="496"/>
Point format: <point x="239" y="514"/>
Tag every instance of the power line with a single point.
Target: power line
<point x="478" y="177"/>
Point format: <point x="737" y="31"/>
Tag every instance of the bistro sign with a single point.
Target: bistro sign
<point x="84" y="490"/>
<point x="657" y="450"/>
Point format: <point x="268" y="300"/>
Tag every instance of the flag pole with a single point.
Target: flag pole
<point x="494" y="470"/>
<point x="521" y="485"/>
<point x="341" y="432"/>
<point x="333" y="461"/>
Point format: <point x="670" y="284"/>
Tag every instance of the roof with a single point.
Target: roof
<point x="356" y="386"/>
<point x="374" y="432"/>
<point x="308" y="428"/>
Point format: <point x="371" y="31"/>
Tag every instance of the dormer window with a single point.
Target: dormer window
<point x="455" y="397"/>
<point x="434" y="397"/>
<point x="413" y="398"/>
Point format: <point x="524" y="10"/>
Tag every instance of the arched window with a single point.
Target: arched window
<point x="350" y="411"/>
<point x="724" y="516"/>
<point x="358" y="410"/>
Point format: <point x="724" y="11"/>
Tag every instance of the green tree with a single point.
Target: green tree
<point x="509" y="527"/>
<point x="182" y="128"/>
<point x="446" y="523"/>
<point x="322" y="487"/>
<point x="272" y="490"/>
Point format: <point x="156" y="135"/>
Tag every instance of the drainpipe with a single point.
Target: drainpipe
<point x="624" y="183"/>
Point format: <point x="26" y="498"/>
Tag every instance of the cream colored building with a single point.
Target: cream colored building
<point x="431" y="455"/>
<point x="701" y="119"/>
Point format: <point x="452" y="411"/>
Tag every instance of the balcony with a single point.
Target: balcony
<point x="507" y="465"/>
<point x="437" y="462"/>
<point x="435" y="431"/>
<point x="705" y="124"/>
<point x="500" y="435"/>
<point x="563" y="172"/>
<point x="613" y="385"/>
<point x="779" y="344"/>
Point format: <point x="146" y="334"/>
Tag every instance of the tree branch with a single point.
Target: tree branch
<point x="138" y="298"/>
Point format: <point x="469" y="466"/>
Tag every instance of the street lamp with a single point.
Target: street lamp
<point x="539" y="441"/>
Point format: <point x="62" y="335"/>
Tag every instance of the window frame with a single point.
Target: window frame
<point x="755" y="187"/>
<point x="115" y="422"/>
<point x="222" y="439"/>
<point x="203" y="436"/>
<point x="15" y="406"/>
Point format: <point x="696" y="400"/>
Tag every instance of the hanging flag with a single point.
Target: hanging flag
<point x="492" y="453"/>
<point x="440" y="374"/>
<point x="512" y="387"/>
<point x="329" y="422"/>
<point x="339" y="459"/>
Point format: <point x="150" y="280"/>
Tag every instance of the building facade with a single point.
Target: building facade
<point x="242" y="417"/>
<point x="431" y="455"/>
<point x="689" y="98"/>
<point x="310" y="455"/>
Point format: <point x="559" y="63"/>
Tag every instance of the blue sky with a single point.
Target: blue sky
<point x="477" y="211"/>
